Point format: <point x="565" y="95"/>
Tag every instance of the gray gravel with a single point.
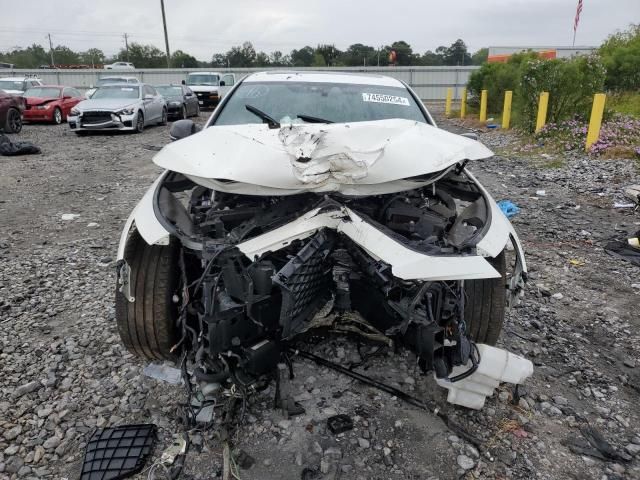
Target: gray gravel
<point x="63" y="371"/>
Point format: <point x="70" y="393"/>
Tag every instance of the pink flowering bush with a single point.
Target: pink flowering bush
<point x="620" y="133"/>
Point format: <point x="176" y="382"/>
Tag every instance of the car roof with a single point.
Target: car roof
<point x="324" y="77"/>
<point x="20" y="79"/>
<point x="128" y="77"/>
<point x="52" y="86"/>
<point x="204" y="73"/>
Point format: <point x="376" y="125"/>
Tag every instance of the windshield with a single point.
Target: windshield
<point x="42" y="92"/>
<point x="116" y="91"/>
<point x="106" y="81"/>
<point x="170" y="91"/>
<point x="202" y="79"/>
<point x="10" y="84"/>
<point x="333" y="102"/>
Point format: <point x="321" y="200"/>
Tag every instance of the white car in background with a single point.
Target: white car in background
<point x="110" y="80"/>
<point x="18" y="85"/>
<point x="210" y="87"/>
<point x="119" y="107"/>
<point x="120" y="66"/>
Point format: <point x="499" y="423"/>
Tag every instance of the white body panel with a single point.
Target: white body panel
<point x="496" y="366"/>
<point x="351" y="158"/>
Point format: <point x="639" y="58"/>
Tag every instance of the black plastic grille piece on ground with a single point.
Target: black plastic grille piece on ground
<point x="118" y="452"/>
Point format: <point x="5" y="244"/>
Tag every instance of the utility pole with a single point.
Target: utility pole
<point x="126" y="45"/>
<point x="53" y="63"/>
<point x="166" y="36"/>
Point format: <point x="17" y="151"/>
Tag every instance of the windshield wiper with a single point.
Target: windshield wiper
<point x="266" y="118"/>
<point x="310" y="119"/>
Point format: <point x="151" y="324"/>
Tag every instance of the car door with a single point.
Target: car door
<point x="150" y="110"/>
<point x="229" y="79"/>
<point x="67" y="101"/>
<point x="158" y="101"/>
<point x="190" y="100"/>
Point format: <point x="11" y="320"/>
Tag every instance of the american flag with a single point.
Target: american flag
<point x="577" y="19"/>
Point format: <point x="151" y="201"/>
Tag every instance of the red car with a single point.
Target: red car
<point x="50" y="103"/>
<point x="11" y="107"/>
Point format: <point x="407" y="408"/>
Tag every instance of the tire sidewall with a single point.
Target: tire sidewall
<point x="140" y="122"/>
<point x="57" y="116"/>
<point x="14" y="121"/>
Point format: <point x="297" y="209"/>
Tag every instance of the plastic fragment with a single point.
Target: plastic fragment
<point x="509" y="208"/>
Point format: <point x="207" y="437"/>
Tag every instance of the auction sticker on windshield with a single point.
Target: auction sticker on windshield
<point x="380" y="98"/>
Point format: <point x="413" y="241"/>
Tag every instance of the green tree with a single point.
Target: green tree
<point x="262" y="60"/>
<point x="431" y="58"/>
<point x="303" y="57"/>
<point x="480" y="56"/>
<point x="219" y="60"/>
<point x="457" y="54"/>
<point x="358" y="55"/>
<point x="318" y="60"/>
<point x="65" y="56"/>
<point x="143" y="56"/>
<point x="93" y="57"/>
<point x="405" y="55"/>
<point x="30" y="57"/>
<point x="620" y="54"/>
<point x="243" y="56"/>
<point x="329" y="54"/>
<point x="278" y="59"/>
<point x="180" y="59"/>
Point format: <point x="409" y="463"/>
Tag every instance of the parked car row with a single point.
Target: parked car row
<point x="116" y="102"/>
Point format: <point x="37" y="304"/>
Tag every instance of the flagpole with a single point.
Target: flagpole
<point x="574" y="37"/>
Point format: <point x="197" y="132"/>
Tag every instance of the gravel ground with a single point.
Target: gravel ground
<point x="63" y="371"/>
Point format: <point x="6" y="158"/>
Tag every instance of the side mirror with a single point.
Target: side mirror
<point x="471" y="135"/>
<point x="188" y="94"/>
<point x="183" y="82"/>
<point x="222" y="83"/>
<point x="66" y="97"/>
<point x="182" y="129"/>
<point x="148" y="96"/>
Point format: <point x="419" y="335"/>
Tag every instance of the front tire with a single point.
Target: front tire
<point x="485" y="304"/>
<point x="147" y="326"/>
<point x="57" y="116"/>
<point x="140" y="123"/>
<point x="164" y="118"/>
<point x="13" y="123"/>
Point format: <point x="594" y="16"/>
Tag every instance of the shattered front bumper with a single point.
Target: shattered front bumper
<point x="115" y="122"/>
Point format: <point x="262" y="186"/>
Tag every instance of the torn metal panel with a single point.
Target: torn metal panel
<point x="318" y="157"/>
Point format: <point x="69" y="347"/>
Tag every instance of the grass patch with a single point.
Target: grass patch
<point x="626" y="103"/>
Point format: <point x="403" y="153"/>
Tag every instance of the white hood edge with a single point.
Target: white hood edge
<point x="340" y="157"/>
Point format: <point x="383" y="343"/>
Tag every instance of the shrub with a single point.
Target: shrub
<point x="621" y="56"/>
<point x="571" y="84"/>
<point x="496" y="78"/>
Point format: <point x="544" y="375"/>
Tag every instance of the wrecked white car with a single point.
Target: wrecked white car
<point x="316" y="199"/>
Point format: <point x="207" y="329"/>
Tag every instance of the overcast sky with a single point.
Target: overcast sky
<point x="204" y="27"/>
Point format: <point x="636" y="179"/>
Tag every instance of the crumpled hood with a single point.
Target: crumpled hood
<point x="350" y="158"/>
<point x="105" y="104"/>
<point x="34" y="101"/>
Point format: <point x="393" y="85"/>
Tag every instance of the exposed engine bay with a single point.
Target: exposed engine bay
<point x="236" y="313"/>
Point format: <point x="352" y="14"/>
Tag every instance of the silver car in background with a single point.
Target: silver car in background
<point x="119" y="107"/>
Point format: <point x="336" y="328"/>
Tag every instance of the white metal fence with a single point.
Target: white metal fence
<point x="430" y="83"/>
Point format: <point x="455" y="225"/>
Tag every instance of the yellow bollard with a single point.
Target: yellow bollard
<point x="506" y="110"/>
<point x="596" y="119"/>
<point x="542" y="111"/>
<point x="447" y="105"/>
<point x="483" y="106"/>
<point x="463" y="103"/>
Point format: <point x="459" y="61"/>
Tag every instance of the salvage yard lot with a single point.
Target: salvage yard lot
<point x="63" y="370"/>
